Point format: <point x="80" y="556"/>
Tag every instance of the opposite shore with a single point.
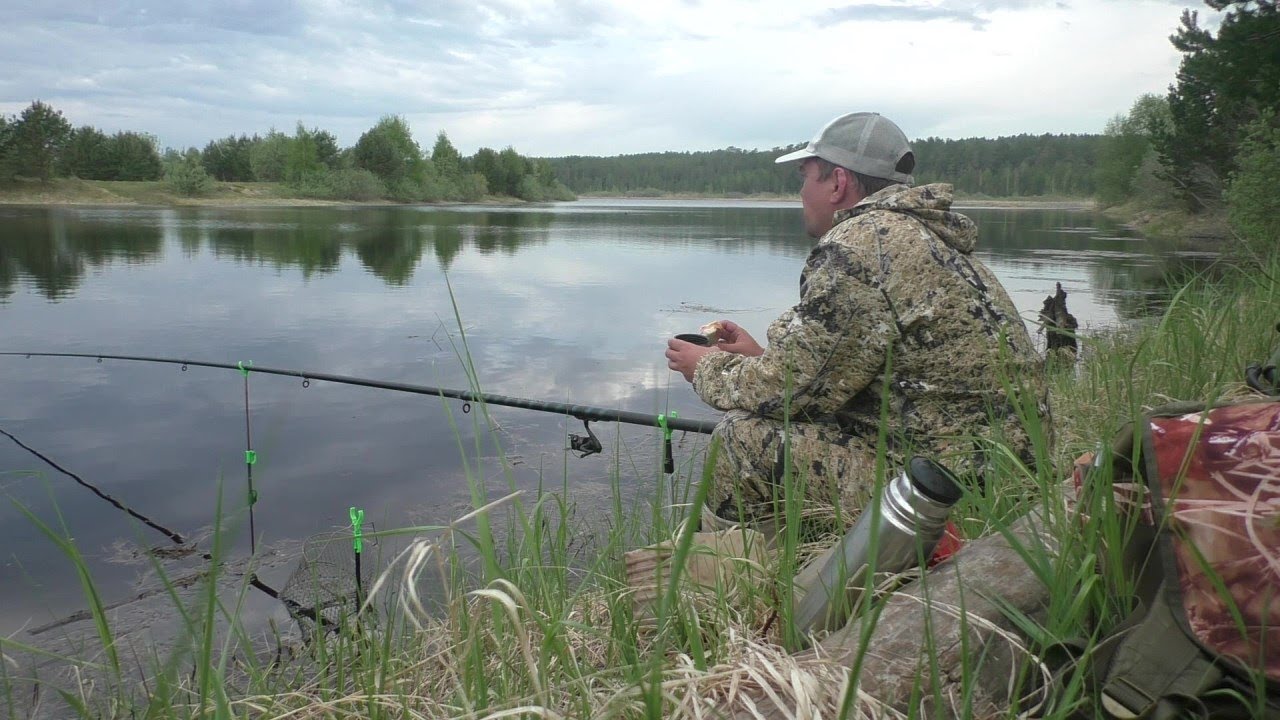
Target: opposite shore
<point x="73" y="191"/>
<point x="1163" y="224"/>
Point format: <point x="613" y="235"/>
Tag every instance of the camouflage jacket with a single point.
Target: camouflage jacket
<point x="892" y="282"/>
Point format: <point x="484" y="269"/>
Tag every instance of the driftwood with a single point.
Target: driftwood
<point x="1059" y="324"/>
<point x="960" y="605"/>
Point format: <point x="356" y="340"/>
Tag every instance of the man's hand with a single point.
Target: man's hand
<point x="683" y="357"/>
<point x="736" y="340"/>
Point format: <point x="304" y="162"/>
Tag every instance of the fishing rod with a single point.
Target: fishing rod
<point x="581" y="445"/>
<point x="587" y="445"/>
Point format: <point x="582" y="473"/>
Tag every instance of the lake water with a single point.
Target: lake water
<point x="567" y="303"/>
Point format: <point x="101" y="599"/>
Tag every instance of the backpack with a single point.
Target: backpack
<point x="1204" y="638"/>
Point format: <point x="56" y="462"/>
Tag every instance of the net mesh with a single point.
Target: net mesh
<point x="325" y="590"/>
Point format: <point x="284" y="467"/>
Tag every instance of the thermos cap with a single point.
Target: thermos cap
<point x="934" y="481"/>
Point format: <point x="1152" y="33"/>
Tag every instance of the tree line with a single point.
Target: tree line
<point x="1022" y="165"/>
<point x="385" y="162"/>
<point x="1212" y="143"/>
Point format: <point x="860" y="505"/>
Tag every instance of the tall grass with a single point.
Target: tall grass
<point x="527" y="620"/>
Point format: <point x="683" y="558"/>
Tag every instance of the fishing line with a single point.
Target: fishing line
<point x="292" y="605"/>
<point x="175" y="537"/>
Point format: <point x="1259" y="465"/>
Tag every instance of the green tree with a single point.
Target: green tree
<point x="512" y="167"/>
<point x="134" y="156"/>
<point x="303" y="157"/>
<point x="8" y="149"/>
<point x="229" y="159"/>
<point x="39" y="135"/>
<point x="185" y="173"/>
<point x="446" y="158"/>
<point x="1253" y="205"/>
<point x="485" y="163"/>
<point x="1224" y="83"/>
<point x="1126" y="143"/>
<point x="269" y="156"/>
<point x="87" y="155"/>
<point x="327" y="150"/>
<point x="388" y="151"/>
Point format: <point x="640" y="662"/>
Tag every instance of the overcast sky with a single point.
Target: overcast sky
<point x="583" y="76"/>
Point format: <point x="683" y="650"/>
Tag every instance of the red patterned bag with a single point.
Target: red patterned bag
<point x="1205" y="639"/>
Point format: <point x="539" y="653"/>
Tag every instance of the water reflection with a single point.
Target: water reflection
<point x="52" y="250"/>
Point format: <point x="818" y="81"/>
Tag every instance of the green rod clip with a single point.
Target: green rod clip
<point x="668" y="460"/>
<point x="245" y="366"/>
<point x="250" y="457"/>
<point x="666" y="428"/>
<point x="357" y="529"/>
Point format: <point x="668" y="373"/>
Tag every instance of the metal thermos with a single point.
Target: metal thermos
<point x="912" y="518"/>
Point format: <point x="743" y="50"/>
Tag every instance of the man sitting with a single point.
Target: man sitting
<point x="891" y="302"/>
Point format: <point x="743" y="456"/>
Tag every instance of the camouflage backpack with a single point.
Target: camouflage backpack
<point x="1204" y="640"/>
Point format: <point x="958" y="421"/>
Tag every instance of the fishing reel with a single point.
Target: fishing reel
<point x="584" y="445"/>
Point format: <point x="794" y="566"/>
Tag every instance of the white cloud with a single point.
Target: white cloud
<point x="588" y="78"/>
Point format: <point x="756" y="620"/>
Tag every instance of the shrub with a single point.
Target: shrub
<point x="186" y="175"/>
<point x="355" y="184"/>
<point x="405" y="190"/>
<point x="529" y="189"/>
<point x="344" y="184"/>
<point x="470" y="187"/>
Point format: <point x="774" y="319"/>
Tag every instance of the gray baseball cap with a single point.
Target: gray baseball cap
<point x="864" y="142"/>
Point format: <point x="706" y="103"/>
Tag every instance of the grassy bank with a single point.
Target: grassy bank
<point x="73" y="191"/>
<point x="1172" y="224"/>
<point x="504" y="614"/>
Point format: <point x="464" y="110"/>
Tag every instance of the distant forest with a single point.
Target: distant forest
<point x="1021" y="165"/>
<point x="386" y="162"/>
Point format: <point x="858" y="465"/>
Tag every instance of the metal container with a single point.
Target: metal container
<point x="911" y="520"/>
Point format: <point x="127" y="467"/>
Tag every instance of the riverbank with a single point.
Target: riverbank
<point x="1172" y="224"/>
<point x="73" y="191"/>
<point x="77" y="192"/>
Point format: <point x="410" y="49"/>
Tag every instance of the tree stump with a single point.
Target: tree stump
<point x="1059" y="324"/>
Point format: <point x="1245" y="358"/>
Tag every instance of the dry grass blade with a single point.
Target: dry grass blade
<point x="525" y="710"/>
<point x="506" y="598"/>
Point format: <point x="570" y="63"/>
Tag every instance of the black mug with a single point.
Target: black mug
<point x="695" y="338"/>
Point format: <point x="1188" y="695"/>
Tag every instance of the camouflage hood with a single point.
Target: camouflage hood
<point x="930" y="204"/>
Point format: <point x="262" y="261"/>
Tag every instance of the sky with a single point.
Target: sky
<point x="586" y="77"/>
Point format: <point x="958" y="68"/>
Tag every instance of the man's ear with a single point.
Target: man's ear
<point x="846" y="188"/>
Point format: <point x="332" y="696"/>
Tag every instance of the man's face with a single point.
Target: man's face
<point x="815" y="197"/>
